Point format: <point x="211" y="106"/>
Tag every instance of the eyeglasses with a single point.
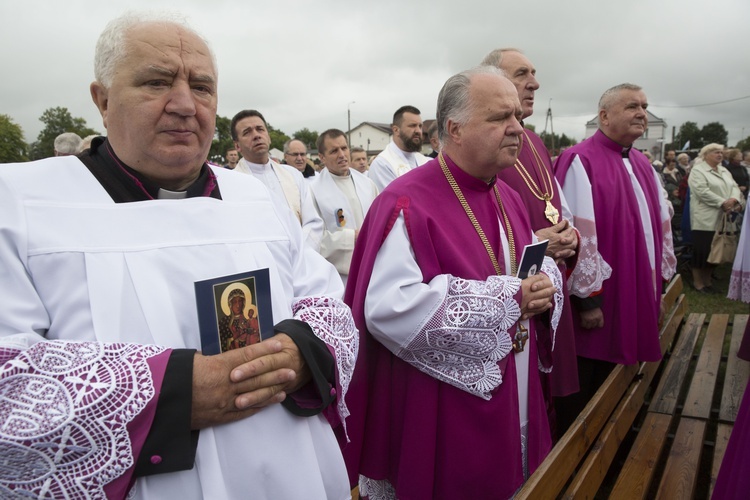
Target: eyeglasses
<point x="301" y="155"/>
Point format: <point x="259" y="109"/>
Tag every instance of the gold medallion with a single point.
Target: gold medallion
<point x="551" y="213"/>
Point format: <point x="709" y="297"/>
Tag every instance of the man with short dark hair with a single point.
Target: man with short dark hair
<point x="432" y="135"/>
<point x="359" y="160"/>
<point x="104" y="391"/>
<point x="295" y="154"/>
<point x="232" y="158"/>
<point x="403" y="152"/>
<point x="621" y="210"/>
<point x="452" y="357"/>
<point x="286" y="183"/>
<point x="342" y="197"/>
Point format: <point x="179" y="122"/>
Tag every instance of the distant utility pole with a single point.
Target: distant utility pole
<point x="548" y="119"/>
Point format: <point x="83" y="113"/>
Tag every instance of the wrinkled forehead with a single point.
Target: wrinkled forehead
<point x="158" y="41"/>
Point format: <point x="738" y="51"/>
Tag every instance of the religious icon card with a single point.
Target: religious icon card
<point x="234" y="311"/>
<point x="532" y="259"/>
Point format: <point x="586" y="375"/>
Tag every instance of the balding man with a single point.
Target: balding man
<point x="452" y="351"/>
<point x="103" y="390"/>
<point x="533" y="179"/>
<point x="621" y="210"/>
<point x="67" y="144"/>
<point x="403" y="152"/>
<point x="295" y="154"/>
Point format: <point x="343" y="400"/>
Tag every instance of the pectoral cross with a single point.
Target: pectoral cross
<point x="519" y="340"/>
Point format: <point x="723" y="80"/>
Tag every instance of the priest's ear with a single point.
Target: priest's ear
<point x="453" y="131"/>
<point x="603" y="117"/>
<point x="100" y="95"/>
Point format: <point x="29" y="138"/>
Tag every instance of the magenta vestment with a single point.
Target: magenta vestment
<point x="631" y="309"/>
<point x="564" y="378"/>
<point x="428" y="438"/>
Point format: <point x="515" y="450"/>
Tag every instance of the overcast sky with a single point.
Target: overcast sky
<point x="301" y="63"/>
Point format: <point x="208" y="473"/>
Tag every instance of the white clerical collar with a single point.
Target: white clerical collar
<point x="408" y="156"/>
<point x="165" y="194"/>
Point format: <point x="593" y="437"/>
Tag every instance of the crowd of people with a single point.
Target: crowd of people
<point x="410" y="356"/>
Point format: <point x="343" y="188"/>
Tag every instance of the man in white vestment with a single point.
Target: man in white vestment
<point x="286" y="183"/>
<point x="342" y="197"/>
<point x="403" y="152"/>
<point x="103" y="389"/>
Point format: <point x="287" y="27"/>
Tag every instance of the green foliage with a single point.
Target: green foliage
<point x="689" y="131"/>
<point x="308" y="137"/>
<point x="714" y="132"/>
<point x="744" y="144"/>
<point x="222" y="140"/>
<point x="57" y="121"/>
<point x="555" y="143"/>
<point x="529" y="126"/>
<point x="13" y="148"/>
<point x="278" y="138"/>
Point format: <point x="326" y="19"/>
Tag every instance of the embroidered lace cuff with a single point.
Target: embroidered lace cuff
<point x="332" y="322"/>
<point x="461" y="343"/>
<point x="553" y="272"/>
<point x="668" y="261"/>
<point x="64" y="412"/>
<point x="591" y="270"/>
<point x="376" y="489"/>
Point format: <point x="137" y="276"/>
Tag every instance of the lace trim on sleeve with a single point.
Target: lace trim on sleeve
<point x="668" y="259"/>
<point x="64" y="410"/>
<point x="591" y="270"/>
<point x="553" y="272"/>
<point x="332" y="322"/>
<point x="376" y="489"/>
<point x="462" y="341"/>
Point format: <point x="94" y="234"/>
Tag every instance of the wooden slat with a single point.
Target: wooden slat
<point x="700" y="395"/>
<point x="673" y="291"/>
<point x="672" y="324"/>
<point x="637" y="473"/>
<point x="591" y="474"/>
<point x="673" y="378"/>
<point x="553" y="473"/>
<point x="722" y="438"/>
<point x="681" y="471"/>
<point x="737" y="373"/>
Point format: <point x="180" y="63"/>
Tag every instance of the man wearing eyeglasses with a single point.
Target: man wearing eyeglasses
<point x="295" y="154"/>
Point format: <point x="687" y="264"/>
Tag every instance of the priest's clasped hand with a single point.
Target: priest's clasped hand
<point x="239" y="383"/>
<point x="537" y="295"/>
<point x="563" y="240"/>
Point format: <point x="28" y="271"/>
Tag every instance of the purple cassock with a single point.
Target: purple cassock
<point x="427" y="438"/>
<point x="594" y="175"/>
<point x="564" y="378"/>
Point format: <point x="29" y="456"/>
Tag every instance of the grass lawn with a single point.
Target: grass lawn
<point x="713" y="303"/>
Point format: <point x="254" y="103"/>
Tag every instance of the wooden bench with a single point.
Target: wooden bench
<point x="657" y="429"/>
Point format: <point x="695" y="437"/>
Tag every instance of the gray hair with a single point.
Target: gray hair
<point x="111" y="47"/>
<point x="710" y="148"/>
<point x="67" y="143"/>
<point x="86" y="143"/>
<point x="495" y="57"/>
<point x="290" y="141"/>
<point x="453" y="100"/>
<point x="609" y="95"/>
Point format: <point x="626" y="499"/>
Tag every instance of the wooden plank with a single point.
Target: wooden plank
<point x="722" y="438"/>
<point x="591" y="474"/>
<point x="673" y="378"/>
<point x="681" y="471"/>
<point x="700" y="395"/>
<point x="637" y="473"/>
<point x="553" y="473"/>
<point x="673" y="291"/>
<point x="737" y="373"/>
<point x="672" y="324"/>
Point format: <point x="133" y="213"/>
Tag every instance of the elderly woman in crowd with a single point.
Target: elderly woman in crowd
<point x="739" y="173"/>
<point x="713" y="193"/>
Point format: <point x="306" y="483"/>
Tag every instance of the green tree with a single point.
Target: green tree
<point x="308" y="137"/>
<point x="714" y="132"/>
<point x="13" y="148"/>
<point x="744" y="144"/>
<point x="56" y="121"/>
<point x="555" y="143"/>
<point x="530" y="127"/>
<point x="278" y="138"/>
<point x="689" y="131"/>
<point x="222" y="140"/>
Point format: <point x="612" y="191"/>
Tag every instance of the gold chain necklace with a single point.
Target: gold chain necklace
<point x="475" y="222"/>
<point x="550" y="212"/>
<point x="522" y="334"/>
